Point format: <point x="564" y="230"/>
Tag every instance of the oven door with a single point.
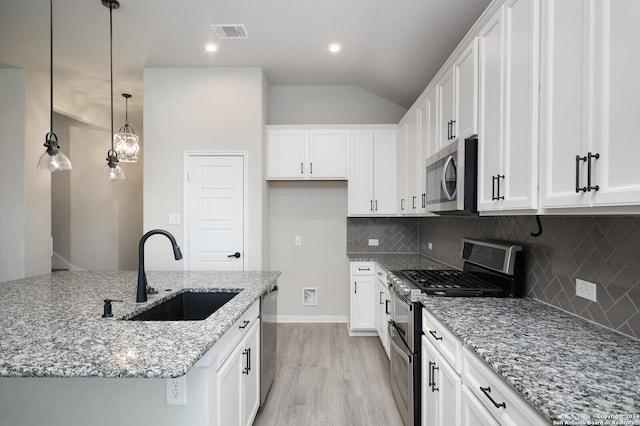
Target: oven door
<point x="403" y="377"/>
<point x="403" y="319"/>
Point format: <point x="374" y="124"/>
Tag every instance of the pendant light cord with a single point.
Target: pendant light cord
<point x="51" y="69"/>
<point x="111" y="65"/>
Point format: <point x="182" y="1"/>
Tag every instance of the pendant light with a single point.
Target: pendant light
<point x="112" y="171"/>
<point x="53" y="159"/>
<point x="125" y="139"/>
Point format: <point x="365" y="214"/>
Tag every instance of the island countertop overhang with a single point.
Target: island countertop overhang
<point x="52" y="325"/>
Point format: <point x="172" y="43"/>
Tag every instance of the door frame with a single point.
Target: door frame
<point x="245" y="200"/>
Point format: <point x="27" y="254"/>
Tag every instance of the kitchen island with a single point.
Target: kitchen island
<point x="57" y="353"/>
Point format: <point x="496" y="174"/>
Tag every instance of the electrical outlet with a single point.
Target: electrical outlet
<point x="297" y="240"/>
<point x="430" y="246"/>
<point x="174" y="218"/>
<point x="586" y="290"/>
<point x="373" y="242"/>
<point x="177" y="391"/>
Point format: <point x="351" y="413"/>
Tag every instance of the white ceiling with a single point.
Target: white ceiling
<point x="390" y="47"/>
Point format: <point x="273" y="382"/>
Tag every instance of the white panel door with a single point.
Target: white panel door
<point x="215" y="212"/>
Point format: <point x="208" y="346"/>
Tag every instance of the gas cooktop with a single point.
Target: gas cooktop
<point x="449" y="282"/>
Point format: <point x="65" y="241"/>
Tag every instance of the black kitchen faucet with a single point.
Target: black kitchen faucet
<point x="143" y="287"/>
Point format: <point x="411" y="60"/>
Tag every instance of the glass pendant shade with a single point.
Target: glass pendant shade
<point x="126" y="144"/>
<point x="112" y="171"/>
<point x="53" y="160"/>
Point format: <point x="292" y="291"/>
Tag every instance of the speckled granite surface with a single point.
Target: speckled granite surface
<point x="52" y="326"/>
<point x="572" y="371"/>
<point x="393" y="262"/>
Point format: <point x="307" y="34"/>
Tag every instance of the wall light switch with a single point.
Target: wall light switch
<point x="586" y="290"/>
<point x="297" y="240"/>
<point x="174" y="218"/>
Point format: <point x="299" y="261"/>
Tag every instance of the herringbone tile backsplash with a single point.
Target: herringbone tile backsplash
<point x="603" y="250"/>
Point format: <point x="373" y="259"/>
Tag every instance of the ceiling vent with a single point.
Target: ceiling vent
<point x="230" y="31"/>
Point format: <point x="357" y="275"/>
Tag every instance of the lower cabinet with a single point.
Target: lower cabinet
<point x="362" y="316"/>
<point x="441" y="389"/>
<point x="473" y="413"/>
<point x="236" y="398"/>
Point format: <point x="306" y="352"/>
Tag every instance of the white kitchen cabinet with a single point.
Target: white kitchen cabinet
<point x="441" y="388"/>
<point x="589" y="104"/>
<point x="473" y="412"/>
<point x="497" y="398"/>
<point x="373" y="178"/>
<point x="508" y="118"/>
<point x="446" y="106"/>
<point x="383" y="308"/>
<point x="306" y="153"/>
<point x="236" y="357"/>
<point x="362" y="297"/>
<point x="409" y="160"/>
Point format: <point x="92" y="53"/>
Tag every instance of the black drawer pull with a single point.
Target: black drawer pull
<point x="245" y="323"/>
<point x="589" y="157"/>
<point x="584" y="188"/>
<point x="486" y="391"/>
<point x="433" y="333"/>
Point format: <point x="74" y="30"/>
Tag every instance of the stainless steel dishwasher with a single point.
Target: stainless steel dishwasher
<point x="268" y="340"/>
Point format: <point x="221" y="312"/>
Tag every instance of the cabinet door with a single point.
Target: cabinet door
<point x="429" y="403"/>
<point x="565" y="87"/>
<point x="285" y="154"/>
<point x="429" y="145"/>
<point x="403" y="176"/>
<point x="616" y="171"/>
<point x="385" y="172"/>
<point x="446" y="95"/>
<point x="363" y="302"/>
<point x="361" y="173"/>
<point x="251" y="373"/>
<point x="449" y="385"/>
<point x="327" y="154"/>
<point x="474" y="413"/>
<point x="229" y="389"/>
<point x="520" y="94"/>
<point x="466" y="82"/>
<point x="490" y="45"/>
<point x="413" y="135"/>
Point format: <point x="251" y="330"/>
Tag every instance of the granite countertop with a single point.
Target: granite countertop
<point x="394" y="261"/>
<point x="569" y="369"/>
<point x="51" y="325"/>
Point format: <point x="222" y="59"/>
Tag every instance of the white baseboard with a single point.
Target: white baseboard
<point x="312" y="318"/>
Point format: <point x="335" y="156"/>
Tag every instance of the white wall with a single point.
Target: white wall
<point x="199" y="109"/>
<point x="316" y="210"/>
<point x="331" y="105"/>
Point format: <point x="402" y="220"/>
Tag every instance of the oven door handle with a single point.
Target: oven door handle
<point x="451" y="162"/>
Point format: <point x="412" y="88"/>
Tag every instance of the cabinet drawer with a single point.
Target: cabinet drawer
<point x="504" y="403"/>
<point x="444" y="340"/>
<point x="230" y="339"/>
<point x="381" y="274"/>
<point x="363" y="268"/>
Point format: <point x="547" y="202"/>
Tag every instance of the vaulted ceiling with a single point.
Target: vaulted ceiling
<point x="389" y="47"/>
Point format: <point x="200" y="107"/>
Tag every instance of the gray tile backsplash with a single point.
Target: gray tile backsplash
<point x="603" y="250"/>
<point x="394" y="235"/>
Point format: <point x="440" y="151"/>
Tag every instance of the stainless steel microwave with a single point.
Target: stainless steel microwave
<point x="451" y="178"/>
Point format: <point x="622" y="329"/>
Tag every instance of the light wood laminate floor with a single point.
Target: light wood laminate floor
<point x="325" y="377"/>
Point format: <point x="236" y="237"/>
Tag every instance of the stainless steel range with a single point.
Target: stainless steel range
<point x="490" y="269"/>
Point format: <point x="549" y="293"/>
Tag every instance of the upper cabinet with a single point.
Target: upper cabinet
<point x="409" y="159"/>
<point x="589" y="103"/>
<point x="373" y="173"/>
<point x="508" y="119"/>
<point x="306" y="153"/>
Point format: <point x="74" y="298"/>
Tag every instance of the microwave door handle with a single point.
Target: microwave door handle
<point x="450" y="162"/>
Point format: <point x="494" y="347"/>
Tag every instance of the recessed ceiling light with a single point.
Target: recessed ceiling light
<point x="334" y="47"/>
<point x="211" y="47"/>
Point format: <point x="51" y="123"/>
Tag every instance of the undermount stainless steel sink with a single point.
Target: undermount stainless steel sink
<point x="187" y="306"/>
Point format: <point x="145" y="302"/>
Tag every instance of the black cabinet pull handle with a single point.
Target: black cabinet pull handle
<point x="301" y="168"/>
<point x="589" y="157"/>
<point x="486" y="391"/>
<point x="386" y="307"/>
<point x="376" y="203"/>
<point x="414" y="198"/>
<point x="402" y="204"/>
<point x="433" y="375"/>
<point x="584" y="188"/>
<point x="433" y="333"/>
<point x="246" y="368"/>
<point x="310" y="168"/>
<point x="245" y="323"/>
<point x="424" y="200"/>
<point x="453" y="123"/>
<point x="363" y="269"/>
<point x="371" y="205"/>
<point x="499" y="197"/>
<point x="355" y="287"/>
<point x="449" y="130"/>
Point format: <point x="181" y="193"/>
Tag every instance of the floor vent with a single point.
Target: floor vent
<point x="230" y="31"/>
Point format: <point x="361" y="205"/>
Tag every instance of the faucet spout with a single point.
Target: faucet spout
<point x="143" y="287"/>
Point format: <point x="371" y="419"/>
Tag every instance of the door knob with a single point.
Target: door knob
<point x="236" y="255"/>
